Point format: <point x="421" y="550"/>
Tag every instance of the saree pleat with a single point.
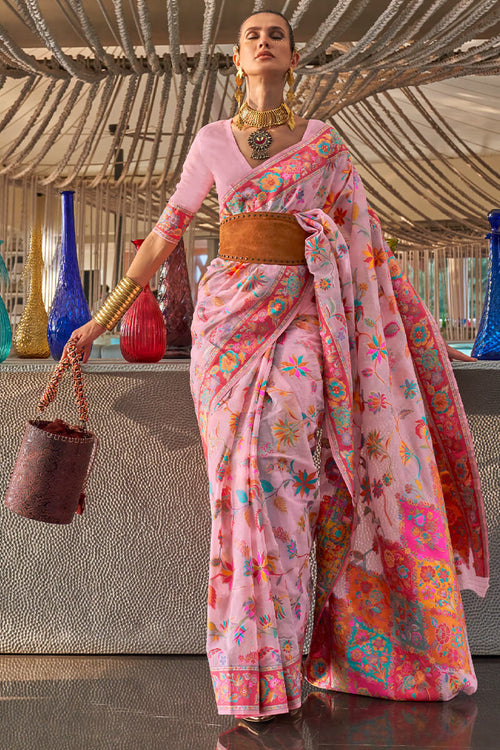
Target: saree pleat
<point x="396" y="508"/>
<point x="260" y="582"/>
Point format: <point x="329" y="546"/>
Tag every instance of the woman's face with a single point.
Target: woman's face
<point x="264" y="46"/>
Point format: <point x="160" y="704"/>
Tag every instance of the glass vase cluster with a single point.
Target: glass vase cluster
<point x="487" y="343"/>
<point x="5" y="329"/>
<point x="143" y="336"/>
<point x="176" y="302"/>
<point x="30" y="336"/>
<point x="69" y="308"/>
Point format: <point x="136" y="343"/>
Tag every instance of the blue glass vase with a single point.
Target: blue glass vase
<point x="487" y="343"/>
<point x="5" y="329"/>
<point x="69" y="308"/>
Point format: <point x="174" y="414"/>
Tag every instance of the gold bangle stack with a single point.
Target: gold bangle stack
<point x="117" y="304"/>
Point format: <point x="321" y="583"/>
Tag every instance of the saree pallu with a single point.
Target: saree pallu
<point x="343" y="343"/>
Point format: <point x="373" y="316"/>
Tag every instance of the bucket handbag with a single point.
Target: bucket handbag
<point x="55" y="459"/>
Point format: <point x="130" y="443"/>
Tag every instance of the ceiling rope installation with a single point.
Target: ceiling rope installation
<point x="81" y="110"/>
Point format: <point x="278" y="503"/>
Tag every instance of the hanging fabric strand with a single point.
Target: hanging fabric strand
<point x="114" y="119"/>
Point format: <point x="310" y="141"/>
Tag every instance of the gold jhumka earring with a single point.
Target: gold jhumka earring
<point x="238" y="95"/>
<point x="290" y="96"/>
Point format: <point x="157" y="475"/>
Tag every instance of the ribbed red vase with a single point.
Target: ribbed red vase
<point x="143" y="335"/>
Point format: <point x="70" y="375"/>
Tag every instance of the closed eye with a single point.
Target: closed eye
<point x="253" y="35"/>
<point x="276" y="33"/>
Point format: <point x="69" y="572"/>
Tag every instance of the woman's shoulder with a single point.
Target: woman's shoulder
<point x="212" y="128"/>
<point x="317" y="123"/>
<point x="316" y="126"/>
<point x="212" y="133"/>
<point x="216" y="126"/>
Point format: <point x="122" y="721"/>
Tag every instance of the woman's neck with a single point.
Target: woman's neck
<point x="263" y="95"/>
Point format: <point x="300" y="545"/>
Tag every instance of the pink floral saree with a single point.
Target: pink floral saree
<point x="346" y="345"/>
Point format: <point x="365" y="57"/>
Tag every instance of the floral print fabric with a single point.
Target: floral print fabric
<point x="172" y="223"/>
<point x="260" y="581"/>
<point x="395" y="508"/>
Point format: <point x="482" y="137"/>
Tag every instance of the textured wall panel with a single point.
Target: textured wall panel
<point x="479" y="386"/>
<point x="130" y="575"/>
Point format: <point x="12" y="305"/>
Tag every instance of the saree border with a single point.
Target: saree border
<point x="173" y="222"/>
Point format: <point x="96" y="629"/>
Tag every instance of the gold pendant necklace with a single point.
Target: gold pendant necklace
<point x="260" y="141"/>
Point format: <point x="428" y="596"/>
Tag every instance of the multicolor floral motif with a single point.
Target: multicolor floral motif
<point x="346" y="344"/>
<point x="263" y="510"/>
<point x="172" y="223"/>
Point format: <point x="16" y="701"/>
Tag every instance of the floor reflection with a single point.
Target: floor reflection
<point x="355" y="720"/>
<point x="280" y="734"/>
<point x="336" y="720"/>
<point x="147" y="702"/>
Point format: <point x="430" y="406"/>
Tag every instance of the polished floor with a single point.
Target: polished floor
<point x="153" y="702"/>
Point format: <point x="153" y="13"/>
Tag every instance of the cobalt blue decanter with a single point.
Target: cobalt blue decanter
<point x="5" y="329"/>
<point x="69" y="308"/>
<point x="487" y="343"/>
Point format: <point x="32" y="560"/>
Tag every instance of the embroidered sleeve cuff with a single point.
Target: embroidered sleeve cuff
<point x="172" y="223"/>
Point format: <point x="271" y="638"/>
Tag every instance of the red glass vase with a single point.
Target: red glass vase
<point x="143" y="335"/>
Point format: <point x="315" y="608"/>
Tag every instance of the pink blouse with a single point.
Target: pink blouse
<point x="214" y="156"/>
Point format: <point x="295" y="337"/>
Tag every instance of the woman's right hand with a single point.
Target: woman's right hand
<point x="84" y="337"/>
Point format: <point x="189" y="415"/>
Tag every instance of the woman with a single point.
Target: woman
<point x="305" y="321"/>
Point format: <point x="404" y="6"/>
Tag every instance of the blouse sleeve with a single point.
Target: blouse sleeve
<point x="190" y="192"/>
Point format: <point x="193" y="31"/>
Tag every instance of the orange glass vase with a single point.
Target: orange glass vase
<point x="143" y="335"/>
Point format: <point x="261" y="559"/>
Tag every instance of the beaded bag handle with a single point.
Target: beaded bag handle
<point x="72" y="359"/>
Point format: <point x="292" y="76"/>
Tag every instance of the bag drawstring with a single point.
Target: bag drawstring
<point x="71" y="360"/>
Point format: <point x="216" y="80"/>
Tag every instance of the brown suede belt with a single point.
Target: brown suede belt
<point x="262" y="237"/>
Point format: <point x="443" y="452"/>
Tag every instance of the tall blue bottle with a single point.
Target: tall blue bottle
<point x="69" y="308"/>
<point x="5" y="329"/>
<point x="487" y="343"/>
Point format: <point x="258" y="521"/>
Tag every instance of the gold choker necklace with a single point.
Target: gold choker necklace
<point x="266" y="118"/>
